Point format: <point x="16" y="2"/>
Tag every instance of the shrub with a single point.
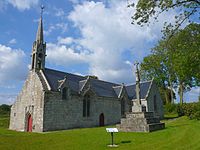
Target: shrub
<point x="197" y="115"/>
<point x="4" y="109"/>
<point x="192" y="110"/>
<point x="170" y="108"/>
<point x="180" y="111"/>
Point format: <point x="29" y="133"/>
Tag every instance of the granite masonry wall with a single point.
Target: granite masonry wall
<point x="29" y="102"/>
<point x="158" y="111"/>
<point x="65" y="114"/>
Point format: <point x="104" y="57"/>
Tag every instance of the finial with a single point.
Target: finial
<point x="42" y="10"/>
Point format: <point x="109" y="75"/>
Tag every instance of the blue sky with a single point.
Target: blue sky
<point x="83" y="37"/>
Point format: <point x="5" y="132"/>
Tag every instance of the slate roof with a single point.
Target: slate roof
<point x="53" y="76"/>
<point x="101" y="88"/>
<point x="144" y="87"/>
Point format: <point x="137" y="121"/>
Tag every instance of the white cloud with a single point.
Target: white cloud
<point x="107" y="33"/>
<point x="62" y="55"/>
<point x="12" y="41"/>
<point x="59" y="12"/>
<point x="59" y="26"/>
<point x="7" y="98"/>
<point x="67" y="40"/>
<point x="23" y="4"/>
<point x="12" y="65"/>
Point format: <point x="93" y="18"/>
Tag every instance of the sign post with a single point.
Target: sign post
<point x="112" y="130"/>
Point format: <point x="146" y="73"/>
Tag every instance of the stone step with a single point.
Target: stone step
<point x="134" y="121"/>
<point x="117" y="126"/>
<point x="156" y="126"/>
<point x="140" y="115"/>
<point x="153" y="120"/>
<point x="133" y="128"/>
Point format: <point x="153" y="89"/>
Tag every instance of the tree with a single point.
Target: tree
<point x="157" y="66"/>
<point x="184" y="48"/>
<point x="146" y="9"/>
<point x="4" y="109"/>
<point x="175" y="60"/>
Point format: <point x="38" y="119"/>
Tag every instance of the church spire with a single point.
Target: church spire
<point x="39" y="48"/>
<point x="39" y="37"/>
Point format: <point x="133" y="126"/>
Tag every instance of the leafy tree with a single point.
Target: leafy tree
<point x="184" y="48"/>
<point x="175" y="60"/>
<point x="146" y="9"/>
<point x="4" y="109"/>
<point x="156" y="66"/>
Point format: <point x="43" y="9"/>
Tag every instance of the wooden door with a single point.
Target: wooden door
<point x="29" y="125"/>
<point x="101" y="120"/>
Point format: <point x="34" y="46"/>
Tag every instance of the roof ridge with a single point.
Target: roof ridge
<point x="140" y="83"/>
<point x="66" y="73"/>
<point x="82" y="76"/>
<point x="106" y="81"/>
<point x="117" y="86"/>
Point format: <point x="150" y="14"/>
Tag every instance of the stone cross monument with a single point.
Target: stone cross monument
<point x="137" y="74"/>
<point x="139" y="120"/>
<point x="137" y="105"/>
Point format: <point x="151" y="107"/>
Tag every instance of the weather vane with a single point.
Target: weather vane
<point x="42" y="9"/>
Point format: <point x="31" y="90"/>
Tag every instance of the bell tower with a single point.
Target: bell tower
<point x="39" y="48"/>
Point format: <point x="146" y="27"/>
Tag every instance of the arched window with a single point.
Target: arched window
<point x="64" y="93"/>
<point x="86" y="106"/>
<point x="122" y="107"/>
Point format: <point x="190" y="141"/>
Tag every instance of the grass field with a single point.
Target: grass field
<point x="180" y="133"/>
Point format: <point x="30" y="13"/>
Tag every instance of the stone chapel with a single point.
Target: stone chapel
<point x="54" y="100"/>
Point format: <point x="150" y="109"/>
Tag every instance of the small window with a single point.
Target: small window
<point x="40" y="55"/>
<point x="39" y="64"/>
<point x="64" y="93"/>
<point x="33" y="61"/>
<point x="14" y="114"/>
<point x="86" y="106"/>
<point x="155" y="103"/>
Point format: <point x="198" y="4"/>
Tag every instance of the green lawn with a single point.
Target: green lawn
<point x="180" y="133"/>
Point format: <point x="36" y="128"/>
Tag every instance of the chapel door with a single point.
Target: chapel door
<point x="29" y="125"/>
<point x="101" y="120"/>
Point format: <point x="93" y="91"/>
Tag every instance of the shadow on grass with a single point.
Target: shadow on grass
<point x="170" y="118"/>
<point x="177" y="126"/>
<point x="125" y="142"/>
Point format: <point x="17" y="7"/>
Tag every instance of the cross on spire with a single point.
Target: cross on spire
<point x="39" y="47"/>
<point x="42" y="10"/>
<point x="39" y="37"/>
